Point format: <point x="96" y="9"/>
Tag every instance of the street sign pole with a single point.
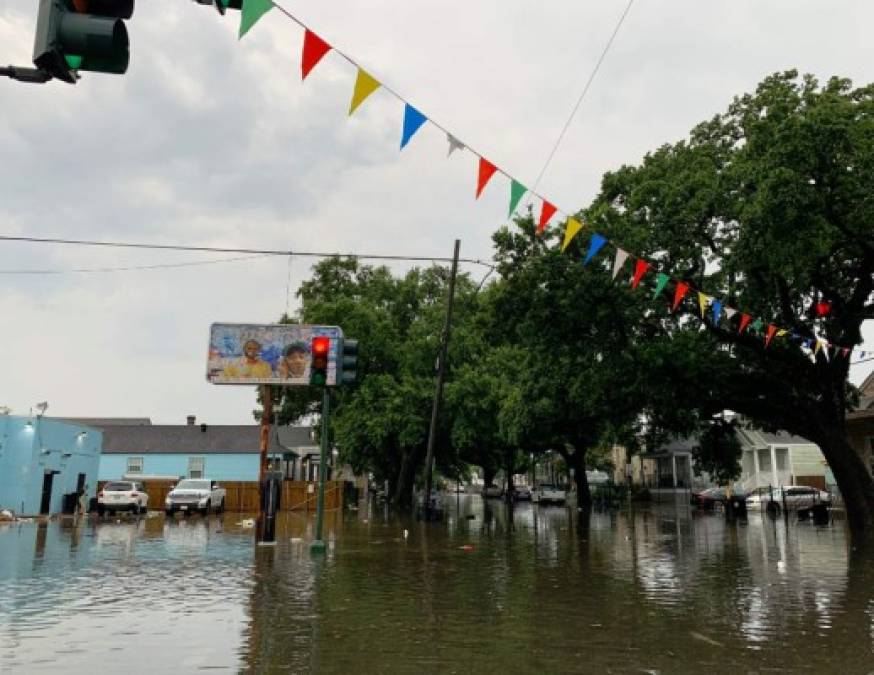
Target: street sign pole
<point x="318" y="545"/>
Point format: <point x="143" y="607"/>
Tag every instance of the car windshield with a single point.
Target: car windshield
<point x="193" y="485"/>
<point x="117" y="487"/>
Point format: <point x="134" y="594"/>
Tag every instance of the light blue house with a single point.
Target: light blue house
<point x="219" y="452"/>
<point x="43" y="459"/>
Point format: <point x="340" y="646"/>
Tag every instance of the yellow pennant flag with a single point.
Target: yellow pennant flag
<point x="818" y="347"/>
<point x="573" y="227"/>
<point x="702" y="303"/>
<point x="782" y="332"/>
<point x="365" y="85"/>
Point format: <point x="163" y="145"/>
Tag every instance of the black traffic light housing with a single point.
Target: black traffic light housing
<point x="348" y="362"/>
<point x="73" y="35"/>
<point x="320" y="348"/>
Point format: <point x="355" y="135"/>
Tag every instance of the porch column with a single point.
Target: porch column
<point x="774" y="472"/>
<point x="674" y="468"/>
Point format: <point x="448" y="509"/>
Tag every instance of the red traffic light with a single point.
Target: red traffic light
<point x="320" y="346"/>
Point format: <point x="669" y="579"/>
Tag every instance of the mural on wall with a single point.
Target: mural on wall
<point x="279" y="354"/>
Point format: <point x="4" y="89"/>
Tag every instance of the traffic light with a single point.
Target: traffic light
<point x="74" y="35"/>
<point x="348" y="362"/>
<point x="222" y="5"/>
<point x="319" y="349"/>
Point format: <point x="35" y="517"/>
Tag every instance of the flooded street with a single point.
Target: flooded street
<point x="659" y="589"/>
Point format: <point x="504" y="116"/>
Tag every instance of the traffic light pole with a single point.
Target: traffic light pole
<point x="441" y="373"/>
<point x="318" y="545"/>
<point x="31" y="75"/>
<point x="266" y="415"/>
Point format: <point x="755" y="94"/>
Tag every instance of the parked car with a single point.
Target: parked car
<point x="122" y="495"/>
<point x="708" y="498"/>
<point x="195" y="494"/>
<point x="549" y="494"/>
<point x="521" y="493"/>
<point x="794" y="497"/>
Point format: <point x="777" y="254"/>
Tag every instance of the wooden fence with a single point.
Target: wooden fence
<point x="242" y="496"/>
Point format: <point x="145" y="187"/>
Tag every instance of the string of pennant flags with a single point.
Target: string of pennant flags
<point x="710" y="308"/>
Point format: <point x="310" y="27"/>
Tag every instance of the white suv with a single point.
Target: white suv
<point x="122" y="495"/>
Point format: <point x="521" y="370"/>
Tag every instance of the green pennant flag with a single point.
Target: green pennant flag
<point x="516" y="192"/>
<point x="252" y="11"/>
<point x="661" y="282"/>
<point x="757" y="325"/>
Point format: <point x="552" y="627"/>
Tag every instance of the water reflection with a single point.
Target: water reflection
<point x="490" y="588"/>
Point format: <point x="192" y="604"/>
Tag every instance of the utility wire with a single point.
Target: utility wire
<point x="583" y="94"/>
<point x="131" y="268"/>
<point x="249" y="251"/>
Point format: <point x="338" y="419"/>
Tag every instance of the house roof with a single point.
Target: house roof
<point x="100" y="422"/>
<point x="756" y="438"/>
<point x="202" y="439"/>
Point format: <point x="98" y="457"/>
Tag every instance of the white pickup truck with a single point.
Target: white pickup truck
<point x="195" y="494"/>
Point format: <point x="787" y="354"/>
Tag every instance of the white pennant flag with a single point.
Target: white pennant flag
<point x="454" y="144"/>
<point x="619" y="261"/>
<point x="729" y="312"/>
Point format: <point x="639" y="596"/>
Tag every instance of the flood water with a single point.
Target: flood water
<point x="660" y="589"/>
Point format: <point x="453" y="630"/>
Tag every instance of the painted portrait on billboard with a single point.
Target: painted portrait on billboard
<point x="278" y="354"/>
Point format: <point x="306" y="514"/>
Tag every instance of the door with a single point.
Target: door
<point x="46" y="503"/>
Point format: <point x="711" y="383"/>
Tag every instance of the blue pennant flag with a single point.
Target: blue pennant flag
<point x="596" y="243"/>
<point x="717" y="309"/>
<point x="413" y="119"/>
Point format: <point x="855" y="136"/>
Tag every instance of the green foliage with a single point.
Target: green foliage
<point x="719" y="451"/>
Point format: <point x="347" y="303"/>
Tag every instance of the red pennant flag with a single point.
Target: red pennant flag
<point x="744" y="320"/>
<point x="682" y="289"/>
<point x="823" y="308"/>
<point x="546" y="212"/>
<point x="640" y="268"/>
<point x="314" y="48"/>
<point x="486" y="171"/>
<point x="771" y="330"/>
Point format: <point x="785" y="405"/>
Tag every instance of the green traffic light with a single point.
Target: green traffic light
<point x="318" y="379"/>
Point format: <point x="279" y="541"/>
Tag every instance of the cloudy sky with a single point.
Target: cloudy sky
<point x="211" y="141"/>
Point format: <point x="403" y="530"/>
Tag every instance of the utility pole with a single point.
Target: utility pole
<point x="441" y="373"/>
<point x="318" y="545"/>
<point x="266" y="512"/>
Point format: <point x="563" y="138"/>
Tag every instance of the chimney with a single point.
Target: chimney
<point x="191" y="419"/>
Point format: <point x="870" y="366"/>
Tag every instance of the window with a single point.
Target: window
<point x="195" y="467"/>
<point x="782" y="459"/>
<point x="764" y="460"/>
<point x="134" y="465"/>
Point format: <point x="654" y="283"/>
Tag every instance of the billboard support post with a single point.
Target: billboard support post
<point x="318" y="545"/>
<point x="265" y="535"/>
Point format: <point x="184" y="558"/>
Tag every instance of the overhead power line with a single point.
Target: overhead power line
<point x="252" y="252"/>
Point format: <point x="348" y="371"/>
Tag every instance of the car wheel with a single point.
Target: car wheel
<point x="221" y="507"/>
<point x="100" y="511"/>
<point x="206" y="509"/>
<point x="169" y="513"/>
<point x="773" y="509"/>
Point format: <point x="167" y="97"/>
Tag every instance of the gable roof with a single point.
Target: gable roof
<point x="756" y="438"/>
<point x="202" y="439"/>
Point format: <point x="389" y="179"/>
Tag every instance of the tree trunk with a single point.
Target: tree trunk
<point x="488" y="476"/>
<point x="403" y="494"/>
<point x="576" y="460"/>
<point x="508" y="468"/>
<point x="854" y="482"/>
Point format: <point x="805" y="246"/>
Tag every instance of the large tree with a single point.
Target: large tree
<point x="769" y="209"/>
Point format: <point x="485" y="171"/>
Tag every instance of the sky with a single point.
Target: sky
<point x="212" y="141"/>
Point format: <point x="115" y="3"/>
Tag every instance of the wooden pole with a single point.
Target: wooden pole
<point x="441" y="373"/>
<point x="266" y="415"/>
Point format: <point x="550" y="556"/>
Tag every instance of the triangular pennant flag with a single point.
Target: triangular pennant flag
<point x="573" y="226"/>
<point x="314" y="48"/>
<point x="782" y="332"/>
<point x="596" y="243"/>
<point x="454" y="144"/>
<point x="365" y="85"/>
<point x="516" y="192"/>
<point x="486" y="171"/>
<point x="641" y="267"/>
<point x="661" y="281"/>
<point x="845" y="351"/>
<point x="729" y="313"/>
<point x="825" y="352"/>
<point x="717" y="311"/>
<point x="702" y="303"/>
<point x="679" y="294"/>
<point x="619" y="261"/>
<point x="771" y="330"/>
<point x="413" y="119"/>
<point x="834" y="349"/>
<point x="744" y="320"/>
<point x="251" y="12"/>
<point x="547" y="210"/>
<point x="757" y="325"/>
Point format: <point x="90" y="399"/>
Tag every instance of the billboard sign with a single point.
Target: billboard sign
<point x="278" y="354"/>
